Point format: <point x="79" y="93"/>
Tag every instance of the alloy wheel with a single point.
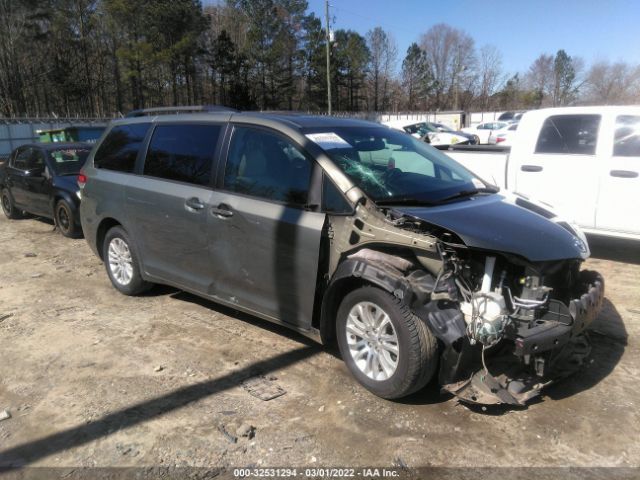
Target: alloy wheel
<point x="120" y="262"/>
<point x="372" y="341"/>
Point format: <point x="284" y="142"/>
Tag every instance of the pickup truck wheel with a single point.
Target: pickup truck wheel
<point x="8" y="207"/>
<point x="389" y="350"/>
<point x="66" y="220"/>
<point x="121" y="262"/>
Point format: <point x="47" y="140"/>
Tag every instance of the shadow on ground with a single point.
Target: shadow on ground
<point x="26" y="453"/>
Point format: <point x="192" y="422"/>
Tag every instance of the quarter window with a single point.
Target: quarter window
<point x="626" y="142"/>
<point x="120" y="148"/>
<point x="266" y="165"/>
<point x="572" y="134"/>
<point x="183" y="153"/>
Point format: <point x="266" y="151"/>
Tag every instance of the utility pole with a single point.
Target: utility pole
<point x="326" y="14"/>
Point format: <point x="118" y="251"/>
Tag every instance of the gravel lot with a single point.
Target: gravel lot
<point x="93" y="378"/>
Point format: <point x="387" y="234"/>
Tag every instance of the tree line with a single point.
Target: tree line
<point x="98" y="58"/>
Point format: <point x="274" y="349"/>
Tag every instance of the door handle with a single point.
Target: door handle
<point x="222" y="210"/>
<point x="194" y="204"/>
<point x="531" y="168"/>
<point x="623" y="173"/>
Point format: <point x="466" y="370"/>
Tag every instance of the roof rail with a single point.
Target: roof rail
<point x="176" y="110"/>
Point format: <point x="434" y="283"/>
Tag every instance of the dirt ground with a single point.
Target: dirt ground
<point x="93" y="378"/>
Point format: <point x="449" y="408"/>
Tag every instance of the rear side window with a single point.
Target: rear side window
<point x="626" y="142"/>
<point x="120" y="148"/>
<point x="183" y="153"/>
<point x="572" y="134"/>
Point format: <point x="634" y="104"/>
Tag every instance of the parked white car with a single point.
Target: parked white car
<point x="583" y="161"/>
<point x="484" y="131"/>
<point x="436" y="135"/>
<point x="504" y="136"/>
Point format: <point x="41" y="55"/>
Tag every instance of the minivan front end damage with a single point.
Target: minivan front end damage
<point x="507" y="326"/>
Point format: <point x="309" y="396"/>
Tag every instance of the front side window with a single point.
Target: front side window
<point x="263" y="164"/>
<point x="391" y="167"/>
<point x="23" y="158"/>
<point x="626" y="142"/>
<point x="183" y="153"/>
<point x="120" y="148"/>
<point x="572" y="134"/>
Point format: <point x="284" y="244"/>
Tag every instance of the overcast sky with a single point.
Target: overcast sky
<point x="522" y="30"/>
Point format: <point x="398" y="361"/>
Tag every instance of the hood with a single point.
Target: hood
<point x="495" y="222"/>
<point x="67" y="182"/>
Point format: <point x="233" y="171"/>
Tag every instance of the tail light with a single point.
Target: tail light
<point x="82" y="179"/>
<point x="500" y="139"/>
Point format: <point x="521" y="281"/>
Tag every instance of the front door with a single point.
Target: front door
<point x="264" y="240"/>
<point x="38" y="184"/>
<point x="563" y="170"/>
<point x="620" y="178"/>
<point x="16" y="174"/>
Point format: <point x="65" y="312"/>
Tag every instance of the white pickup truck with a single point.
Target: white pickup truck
<point x="582" y="161"/>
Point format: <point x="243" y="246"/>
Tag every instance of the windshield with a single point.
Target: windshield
<point x="443" y="128"/>
<point x="68" y="161"/>
<point x="391" y="166"/>
<point x="420" y="128"/>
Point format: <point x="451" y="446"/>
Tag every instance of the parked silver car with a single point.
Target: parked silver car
<point x="348" y="232"/>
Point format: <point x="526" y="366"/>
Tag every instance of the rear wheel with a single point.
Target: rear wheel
<point x="385" y="346"/>
<point x="8" y="207"/>
<point x="66" y="220"/>
<point x="121" y="262"/>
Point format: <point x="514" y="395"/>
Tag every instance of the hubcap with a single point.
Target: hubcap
<point x="63" y="218"/>
<point x="372" y="340"/>
<point x="6" y="204"/>
<point x="120" y="262"/>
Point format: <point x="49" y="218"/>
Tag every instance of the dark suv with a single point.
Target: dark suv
<point x="348" y="232"/>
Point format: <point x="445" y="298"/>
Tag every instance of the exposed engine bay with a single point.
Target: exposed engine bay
<point x="507" y="326"/>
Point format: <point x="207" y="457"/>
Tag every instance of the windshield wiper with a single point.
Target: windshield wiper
<point x="404" y="201"/>
<point x="467" y="193"/>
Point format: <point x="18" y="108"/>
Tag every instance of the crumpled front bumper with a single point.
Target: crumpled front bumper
<point x="550" y="350"/>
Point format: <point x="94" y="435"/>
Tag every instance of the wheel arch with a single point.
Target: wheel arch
<point x="105" y="225"/>
<point x="351" y="274"/>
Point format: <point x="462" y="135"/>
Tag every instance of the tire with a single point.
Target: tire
<point x="476" y="138"/>
<point x="417" y="350"/>
<point x="8" y="207"/>
<point x="121" y="262"/>
<point x="66" y="220"/>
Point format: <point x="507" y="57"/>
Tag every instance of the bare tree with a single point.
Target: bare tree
<point x="384" y="55"/>
<point x="452" y="59"/>
<point x="612" y="83"/>
<point x="490" y="75"/>
<point x="539" y="79"/>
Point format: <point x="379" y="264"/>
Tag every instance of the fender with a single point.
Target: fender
<point x="68" y="197"/>
<point x="414" y="288"/>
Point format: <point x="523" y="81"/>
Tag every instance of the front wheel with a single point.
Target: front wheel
<point x="8" y="207"/>
<point x="122" y="264"/>
<point x="66" y="220"/>
<point x="389" y="350"/>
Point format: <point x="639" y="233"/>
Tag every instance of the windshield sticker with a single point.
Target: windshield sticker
<point x="328" y="140"/>
<point x="477" y="183"/>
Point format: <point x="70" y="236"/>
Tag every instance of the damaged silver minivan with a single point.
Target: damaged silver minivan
<point x="349" y="232"/>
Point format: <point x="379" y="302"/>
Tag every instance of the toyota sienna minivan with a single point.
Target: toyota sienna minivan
<point x="348" y="232"/>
